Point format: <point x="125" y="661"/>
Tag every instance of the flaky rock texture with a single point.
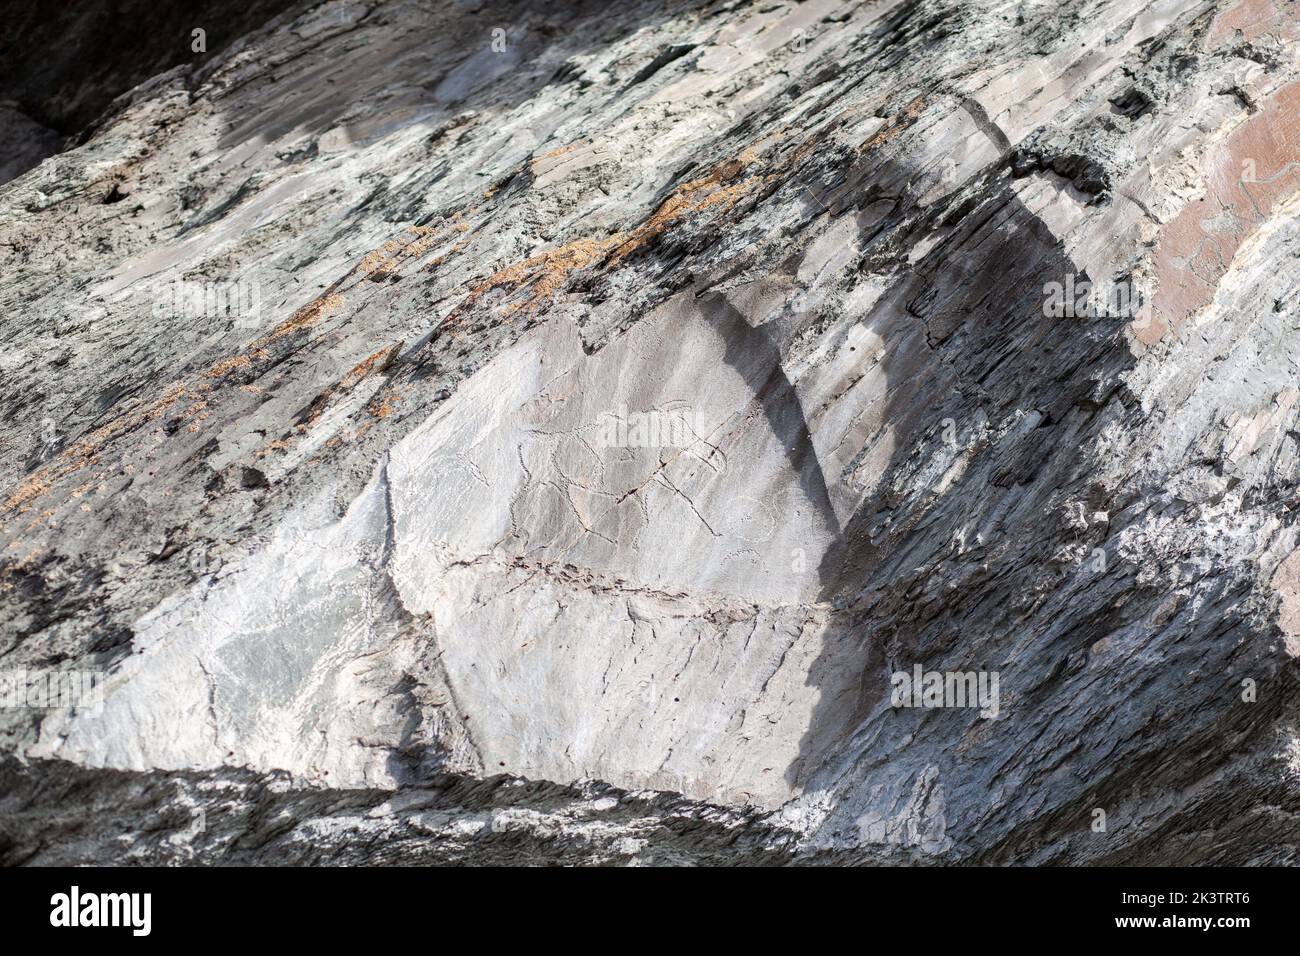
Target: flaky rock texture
<point x="462" y="432"/>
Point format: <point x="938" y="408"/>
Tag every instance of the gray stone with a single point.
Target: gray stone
<point x="436" y="422"/>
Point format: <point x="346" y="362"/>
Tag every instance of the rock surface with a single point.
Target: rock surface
<point x="539" y="433"/>
<point x="63" y="65"/>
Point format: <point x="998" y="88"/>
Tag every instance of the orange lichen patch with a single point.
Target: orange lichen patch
<point x="382" y="404"/>
<point x="380" y="361"/>
<point x="198" y="411"/>
<point x="280" y="444"/>
<point x="1247" y="176"/>
<point x="1252" y="19"/>
<point x="901" y="122"/>
<point x="547" y="272"/>
<point x="85" y="452"/>
<point x="558" y="152"/>
<point x="426" y="238"/>
<point x="377" y="261"/>
<point x="714" y="191"/>
<point x="386" y="260"/>
<point x="310" y="314"/>
<point x="229" y="365"/>
<point x="35" y="485"/>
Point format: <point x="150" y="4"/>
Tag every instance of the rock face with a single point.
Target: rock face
<point x="563" y="433"/>
<point x="63" y="65"/>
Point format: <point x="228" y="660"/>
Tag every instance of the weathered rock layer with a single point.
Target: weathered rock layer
<point x="519" y="433"/>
